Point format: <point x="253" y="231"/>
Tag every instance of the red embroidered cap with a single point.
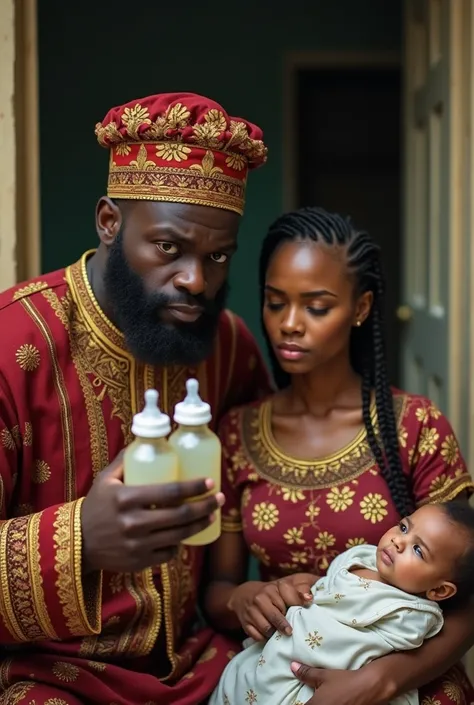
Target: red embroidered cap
<point x="180" y="147"/>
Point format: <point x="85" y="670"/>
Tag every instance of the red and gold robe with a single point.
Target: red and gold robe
<point x="68" y="390"/>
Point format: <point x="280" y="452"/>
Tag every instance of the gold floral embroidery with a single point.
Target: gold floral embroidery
<point x="41" y="472"/>
<point x="63" y="399"/>
<point x="314" y="639"/>
<point x="53" y="701"/>
<point x="133" y="118"/>
<point x="299" y="557"/>
<point x="294" y="535"/>
<point x="277" y="467"/>
<point x="237" y="162"/>
<point x="422" y="414"/>
<point x="265" y="516"/>
<point x="123" y="149"/>
<point x="116" y="583"/>
<point x="81" y="617"/>
<point x="340" y="499"/>
<point x="324" y="540"/>
<point x="97" y="665"/>
<point x="28" y="435"/>
<point x="430" y="701"/>
<point x="208" y="655"/>
<point x="355" y="542"/>
<point x="66" y="672"/>
<point x="450" y="450"/>
<point x="312" y="512"/>
<point x="173" y="151"/>
<point x="454" y="692"/>
<point x="402" y="436"/>
<point x="28" y="357"/>
<point x="17" y="692"/>
<point x="22" y="600"/>
<point x="251" y="697"/>
<point x="206" y="167"/>
<point x="372" y="507"/>
<point x="427" y="444"/>
<point x="292" y="494"/>
<point x="260" y="554"/>
<point x="28" y="290"/>
<point x="6" y="439"/>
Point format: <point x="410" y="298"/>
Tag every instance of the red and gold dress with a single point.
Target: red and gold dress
<point x="68" y="390"/>
<point x="297" y="515"/>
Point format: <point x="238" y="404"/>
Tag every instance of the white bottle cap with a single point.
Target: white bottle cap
<point x="151" y="422"/>
<point x="193" y="411"/>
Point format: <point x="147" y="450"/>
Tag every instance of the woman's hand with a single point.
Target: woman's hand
<point x="338" y="687"/>
<point x="261" y="607"/>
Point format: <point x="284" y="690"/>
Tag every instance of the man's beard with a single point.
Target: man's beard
<point x="137" y="314"/>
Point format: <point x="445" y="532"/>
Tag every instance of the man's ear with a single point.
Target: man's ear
<point x="108" y="220"/>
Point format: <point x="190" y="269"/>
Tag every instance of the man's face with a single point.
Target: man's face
<point x="166" y="278"/>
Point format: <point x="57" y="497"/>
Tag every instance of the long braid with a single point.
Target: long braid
<point x="367" y="343"/>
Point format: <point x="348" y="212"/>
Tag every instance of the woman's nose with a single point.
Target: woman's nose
<point x="292" y="323"/>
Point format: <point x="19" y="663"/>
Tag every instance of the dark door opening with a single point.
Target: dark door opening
<point x="349" y="130"/>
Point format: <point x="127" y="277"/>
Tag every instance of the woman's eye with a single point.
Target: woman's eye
<point x="318" y="311"/>
<point x="272" y="306"/>
<point x="168" y="248"/>
<point x="219" y="257"/>
<point x="417" y="550"/>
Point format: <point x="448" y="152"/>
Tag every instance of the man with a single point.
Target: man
<point x="98" y="597"/>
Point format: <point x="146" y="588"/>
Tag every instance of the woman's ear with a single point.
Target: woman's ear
<point x="363" y="308"/>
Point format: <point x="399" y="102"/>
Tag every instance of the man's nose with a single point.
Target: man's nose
<point x="191" y="278"/>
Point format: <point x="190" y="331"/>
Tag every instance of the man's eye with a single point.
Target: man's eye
<point x="219" y="257"/>
<point x="168" y="248"/>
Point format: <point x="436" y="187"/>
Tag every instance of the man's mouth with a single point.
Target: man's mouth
<point x="184" y="312"/>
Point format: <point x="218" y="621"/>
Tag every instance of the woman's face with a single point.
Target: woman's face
<point x="310" y="305"/>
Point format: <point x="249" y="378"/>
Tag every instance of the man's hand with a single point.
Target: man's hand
<point x="126" y="529"/>
<point x="338" y="687"/>
<point x="261" y="607"/>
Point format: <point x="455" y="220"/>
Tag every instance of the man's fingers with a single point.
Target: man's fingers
<point x="313" y="677"/>
<point x="161" y="496"/>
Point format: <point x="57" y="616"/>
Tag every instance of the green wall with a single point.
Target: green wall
<point x="94" y="55"/>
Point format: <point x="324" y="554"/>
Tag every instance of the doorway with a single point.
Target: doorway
<point x="347" y="122"/>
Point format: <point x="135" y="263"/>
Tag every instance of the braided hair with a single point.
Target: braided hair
<point x="367" y="344"/>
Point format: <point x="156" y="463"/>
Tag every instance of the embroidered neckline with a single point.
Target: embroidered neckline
<point x="273" y="464"/>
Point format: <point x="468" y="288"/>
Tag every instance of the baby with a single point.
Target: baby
<point x="373" y="600"/>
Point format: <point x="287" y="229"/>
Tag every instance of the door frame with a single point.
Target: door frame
<point x="294" y="62"/>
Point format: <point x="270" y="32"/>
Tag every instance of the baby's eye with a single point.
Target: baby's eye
<point x="417" y="550"/>
<point x="403" y="527"/>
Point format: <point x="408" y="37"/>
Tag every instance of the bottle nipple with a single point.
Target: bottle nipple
<point x="151" y="422"/>
<point x="192" y="411"/>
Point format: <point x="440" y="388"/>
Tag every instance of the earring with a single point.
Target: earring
<point x="358" y="324"/>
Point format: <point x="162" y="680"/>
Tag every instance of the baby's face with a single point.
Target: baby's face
<point x="419" y="555"/>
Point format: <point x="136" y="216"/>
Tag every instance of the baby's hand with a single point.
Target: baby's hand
<point x="261" y="607"/>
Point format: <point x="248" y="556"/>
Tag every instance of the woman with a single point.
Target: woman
<point x="331" y="460"/>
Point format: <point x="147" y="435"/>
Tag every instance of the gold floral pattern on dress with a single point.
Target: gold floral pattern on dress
<point x="402" y="436"/>
<point x="41" y="472"/>
<point x="312" y="512"/>
<point x="54" y="701"/>
<point x="66" y="672"/>
<point x="340" y="499"/>
<point x="450" y="450"/>
<point x="251" y="697"/>
<point x="372" y="507"/>
<point x="454" y="692"/>
<point x="260" y="554"/>
<point x="28" y="357"/>
<point x="116" y="583"/>
<point x="324" y="540"/>
<point x="299" y="557"/>
<point x="428" y="443"/>
<point x="314" y="639"/>
<point x="265" y="516"/>
<point x="430" y="701"/>
<point x="173" y="151"/>
<point x="294" y="535"/>
<point x="422" y="414"/>
<point x="355" y="542"/>
<point x="292" y="494"/>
